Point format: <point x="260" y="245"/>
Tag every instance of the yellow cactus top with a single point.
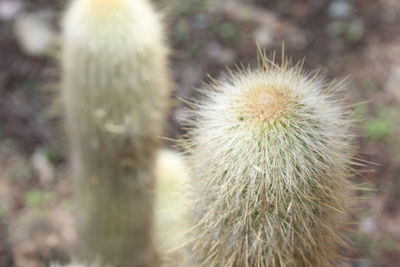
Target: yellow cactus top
<point x="105" y="8"/>
<point x="264" y="103"/>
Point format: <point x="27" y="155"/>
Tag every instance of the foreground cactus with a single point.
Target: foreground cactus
<point x="115" y="89"/>
<point x="270" y="152"/>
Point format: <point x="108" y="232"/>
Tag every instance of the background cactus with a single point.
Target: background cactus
<point x="270" y="152"/>
<point x="115" y="91"/>
<point x="171" y="205"/>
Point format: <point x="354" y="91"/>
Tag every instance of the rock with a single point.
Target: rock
<point x="264" y="36"/>
<point x="340" y="9"/>
<point x="221" y="55"/>
<point x="70" y="265"/>
<point x="368" y="225"/>
<point x="36" y="240"/>
<point x="34" y="33"/>
<point x="43" y="168"/>
<point x="9" y="9"/>
<point x="392" y="85"/>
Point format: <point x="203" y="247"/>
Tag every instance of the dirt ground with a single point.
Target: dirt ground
<point x="357" y="39"/>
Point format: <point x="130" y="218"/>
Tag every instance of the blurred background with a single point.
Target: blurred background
<point x="358" y="38"/>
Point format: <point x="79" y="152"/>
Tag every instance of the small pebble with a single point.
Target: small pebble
<point x="9" y="9"/>
<point x="34" y="33"/>
<point x="340" y="9"/>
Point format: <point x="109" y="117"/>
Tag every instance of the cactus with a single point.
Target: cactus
<point x="270" y="151"/>
<point x="170" y="210"/>
<point x="115" y="91"/>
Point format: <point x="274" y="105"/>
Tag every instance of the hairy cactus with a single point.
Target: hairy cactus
<point x="172" y="176"/>
<point x="270" y="153"/>
<point x="115" y="90"/>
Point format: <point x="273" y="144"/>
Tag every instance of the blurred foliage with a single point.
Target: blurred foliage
<point x="21" y="171"/>
<point x="39" y="199"/>
<point x="3" y="210"/>
<point x="381" y="126"/>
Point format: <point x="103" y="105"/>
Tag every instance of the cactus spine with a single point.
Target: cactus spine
<point x="270" y="151"/>
<point x="115" y="90"/>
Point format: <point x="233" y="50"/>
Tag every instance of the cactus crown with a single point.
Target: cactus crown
<point x="270" y="152"/>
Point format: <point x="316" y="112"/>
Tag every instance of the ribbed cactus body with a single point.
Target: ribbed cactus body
<point x="270" y="151"/>
<point x="115" y="90"/>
